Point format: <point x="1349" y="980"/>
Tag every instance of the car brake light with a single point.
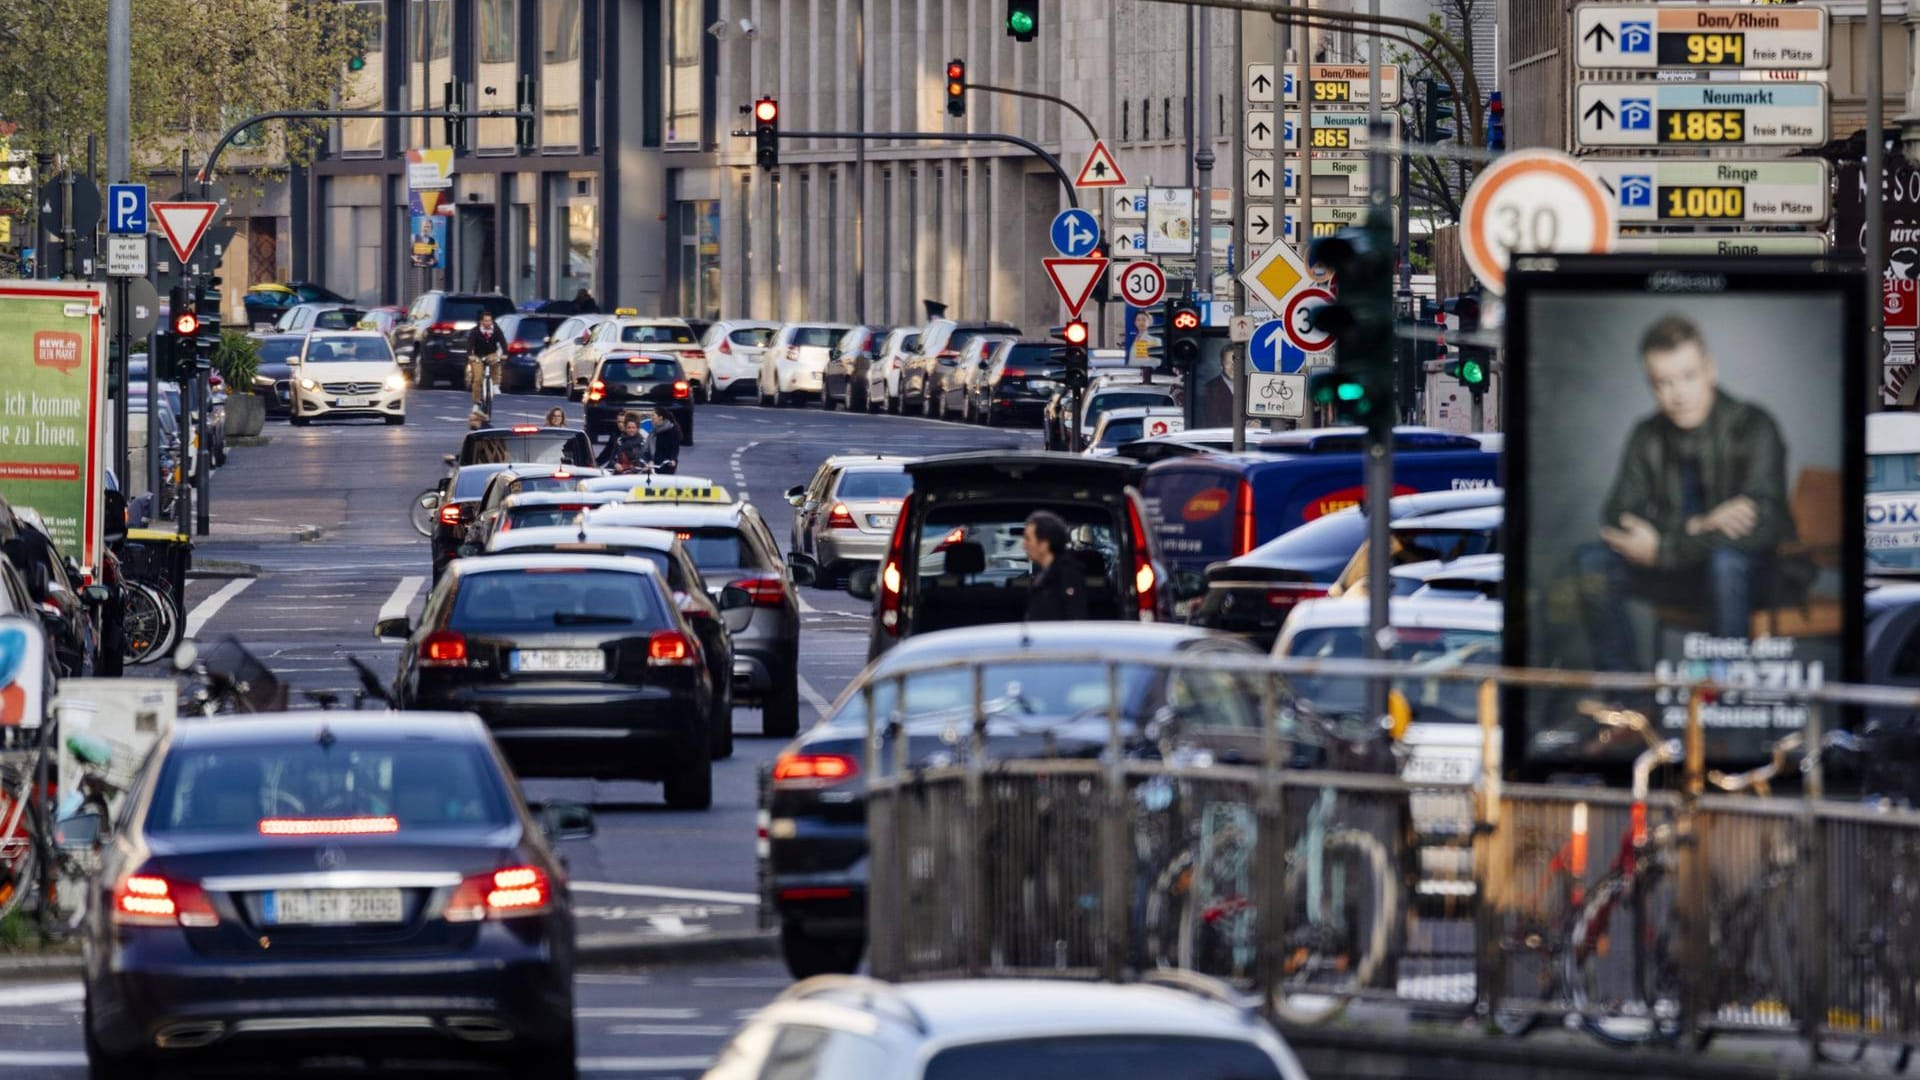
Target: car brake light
<point x="1290" y="594"/>
<point x="725" y="349"/>
<point x="444" y="648"/>
<point x="1146" y="584"/>
<point x="840" y="517"/>
<point x="150" y="900"/>
<point x="1243" y="535"/>
<point x="944" y="353"/>
<point x="596" y="390"/>
<point x="517" y="346"/>
<point x="957" y="535"/>
<point x="501" y="894"/>
<point x="1013" y="373"/>
<point x="693" y="354"/>
<point x="890" y="572"/>
<point x="451" y="514"/>
<point x="767" y="590"/>
<point x="441" y="328"/>
<point x="682" y="390"/>
<point x="525" y="429"/>
<point x="352" y="826"/>
<point x="670" y="648"/>
<point x="814" y="770"/>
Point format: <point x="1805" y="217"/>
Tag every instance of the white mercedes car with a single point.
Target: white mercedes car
<point x="347" y="373"/>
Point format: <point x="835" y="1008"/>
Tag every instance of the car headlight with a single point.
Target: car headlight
<point x="262" y="382"/>
<point x="396" y="381"/>
<point x="309" y="384"/>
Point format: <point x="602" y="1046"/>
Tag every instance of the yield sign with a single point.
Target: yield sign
<point x="1100" y="170"/>
<point x="184" y="223"/>
<point x="1073" y="279"/>
<point x="1273" y="277"/>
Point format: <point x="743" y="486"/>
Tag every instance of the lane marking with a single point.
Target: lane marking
<point x="701" y="1031"/>
<point x="613" y="1012"/>
<point x="44" y="1058"/>
<point x="820" y="704"/>
<point x="742" y="982"/>
<point x="45" y="993"/>
<point x="805" y="608"/>
<point x="664" y="892"/>
<point x="402" y="598"/>
<point x="637" y="1064"/>
<point x="671" y="925"/>
<point x="206" y="609"/>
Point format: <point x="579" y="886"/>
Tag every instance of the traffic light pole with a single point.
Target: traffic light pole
<point x="1066" y="182"/>
<point x="1380" y="457"/>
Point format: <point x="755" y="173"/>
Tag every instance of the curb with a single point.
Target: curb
<point x="615" y="950"/>
<point x="40" y="966"/>
<point x="249" y="440"/>
<point x="222" y="570"/>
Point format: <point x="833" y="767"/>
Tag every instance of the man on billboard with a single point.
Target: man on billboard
<point x="1698" y="505"/>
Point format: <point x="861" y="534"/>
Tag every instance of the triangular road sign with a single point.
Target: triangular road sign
<point x="1100" y="170"/>
<point x="1074" y="279"/>
<point x="184" y="223"/>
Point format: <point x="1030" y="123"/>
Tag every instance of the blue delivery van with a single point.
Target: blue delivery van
<point x="1210" y="507"/>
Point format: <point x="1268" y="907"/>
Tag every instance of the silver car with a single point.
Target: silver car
<point x="733" y="348"/>
<point x="845" y="514"/>
<point x="889" y="360"/>
<point x="795" y="364"/>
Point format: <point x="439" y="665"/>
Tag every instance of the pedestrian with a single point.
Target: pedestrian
<point x="556" y="417"/>
<point x="485" y="346"/>
<point x="584" y="304"/>
<point x="1059" y="588"/>
<point x="627" y="451"/>
<point x="666" y="441"/>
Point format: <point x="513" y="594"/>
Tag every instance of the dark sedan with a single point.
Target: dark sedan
<point x="639" y="382"/>
<point x="526" y="336"/>
<point x="273" y="380"/>
<point x="1020" y="379"/>
<point x="352" y="885"/>
<point x="582" y="666"/>
<point x="459" y="500"/>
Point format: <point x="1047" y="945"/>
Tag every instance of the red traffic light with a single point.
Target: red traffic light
<point x="1075" y="333"/>
<point x="957" y="71"/>
<point x="1186" y="319"/>
<point x="766" y="110"/>
<point x="186" y="324"/>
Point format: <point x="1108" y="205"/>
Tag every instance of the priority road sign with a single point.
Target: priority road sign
<point x="1534" y="201"/>
<point x="127" y="212"/>
<point x="1651" y="191"/>
<point x="1074" y="279"/>
<point x="1100" y="171"/>
<point x="1273" y="277"/>
<point x="184" y="223"/>
<point x="1075" y="232"/>
<point x="1646" y="114"/>
<point x="1700" y="36"/>
<point x="1142" y="284"/>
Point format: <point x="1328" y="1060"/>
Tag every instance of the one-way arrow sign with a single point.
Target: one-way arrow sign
<point x="1600" y="113"/>
<point x="1260" y="178"/>
<point x="1100" y="170"/>
<point x="1600" y="36"/>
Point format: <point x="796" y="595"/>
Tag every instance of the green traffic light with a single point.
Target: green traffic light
<point x="1020" y="22"/>
<point x="357" y="64"/>
<point x="1472" y="373"/>
<point x="1350" y="391"/>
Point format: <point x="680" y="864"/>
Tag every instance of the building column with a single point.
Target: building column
<point x="1909" y="119"/>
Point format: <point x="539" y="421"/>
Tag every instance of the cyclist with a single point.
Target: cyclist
<point x="627" y="451"/>
<point x="666" y="442"/>
<point x="485" y="346"/>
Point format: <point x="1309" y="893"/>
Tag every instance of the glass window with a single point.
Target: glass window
<point x="997" y="530"/>
<point x="875" y="484"/>
<point x="755" y="337"/>
<point x="656" y="335"/>
<point x="361" y="85"/>
<point x="561" y="75"/>
<point x="1124" y="399"/>
<point x="718" y="548"/>
<point x="1121" y="431"/>
<point x="822" y="337"/>
<point x="338" y="319"/>
<point x="230" y="789"/>
<point x="542" y="446"/>
<point x="279" y="350"/>
<point x="471" y="483"/>
<point x="577" y="228"/>
<point x="496" y="31"/>
<point x="685" y="43"/>
<point x="459" y="310"/>
<point x="1073" y="1058"/>
<point x="1430" y="647"/>
<point x="534" y="517"/>
<point x="348" y="348"/>
<point x="541" y="599"/>
<point x="641" y="370"/>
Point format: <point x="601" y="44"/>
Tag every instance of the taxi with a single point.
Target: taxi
<point x="740" y="561"/>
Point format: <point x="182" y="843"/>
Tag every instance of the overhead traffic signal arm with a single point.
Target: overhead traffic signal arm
<point x="1023" y="19"/>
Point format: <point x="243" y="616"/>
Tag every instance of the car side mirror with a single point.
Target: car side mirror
<point x="562" y="820"/>
<point x="38" y="584"/>
<point x="734" y="597"/>
<point x="797" y="495"/>
<point x="803" y="570"/>
<point x="96" y="594"/>
<point x="860" y="583"/>
<point x="442" y="485"/>
<point x="393" y="629"/>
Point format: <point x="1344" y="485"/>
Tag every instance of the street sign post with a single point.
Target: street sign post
<point x="184" y="223"/>
<point x="1100" y="170"/>
<point x="1261" y="133"/>
<point x="1261" y="84"/>
<point x="1537" y="201"/>
<point x="127" y="212"/>
<point x="1269" y="350"/>
<point x="1261" y="173"/>
<point x="1700" y="115"/>
<point x="1715" y="192"/>
<point x="1142" y="284"/>
<point x="1075" y="232"/>
<point x="1700" y="36"/>
<point x="1074" y="278"/>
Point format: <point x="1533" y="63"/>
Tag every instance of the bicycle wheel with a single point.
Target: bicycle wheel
<point x="19" y="857"/>
<point x="422" y="511"/>
<point x="172" y="620"/>
<point x="1613" y="1006"/>
<point x="1330" y="958"/>
<point x="146" y="627"/>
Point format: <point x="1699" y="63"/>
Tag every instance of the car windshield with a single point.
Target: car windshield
<point x="1078" y="1057"/>
<point x="1046" y="689"/>
<point x="541" y="599"/>
<point x="279" y="350"/>
<point x="527" y="517"/>
<point x="358" y="348"/>
<point x="1439" y="649"/>
<point x="1123" y="399"/>
<point x="534" y="446"/>
<point x="639" y="370"/>
<point x="656" y="335"/>
<point x="418" y="783"/>
<point x="821" y="337"/>
<point x="1120" y="431"/>
<point x="754" y="337"/>
<point x="338" y="319"/>
<point x="465" y="309"/>
<point x="718" y="548"/>
<point x="874" y="484"/>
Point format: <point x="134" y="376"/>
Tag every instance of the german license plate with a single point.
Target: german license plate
<point x="881" y="521"/>
<point x="351" y="402"/>
<point x="331" y="907"/>
<point x="590" y="661"/>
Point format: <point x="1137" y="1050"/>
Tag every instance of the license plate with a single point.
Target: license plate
<point x="881" y="521"/>
<point x="569" y="660"/>
<point x="323" y="907"/>
<point x="352" y="402"/>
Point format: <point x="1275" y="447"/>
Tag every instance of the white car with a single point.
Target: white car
<point x="556" y="360"/>
<point x="1120" y="426"/>
<point x="795" y="362"/>
<point x="883" y="375"/>
<point x="347" y="373"/>
<point x="733" y="348"/>
<point x="1035" y="1029"/>
<point x="630" y="333"/>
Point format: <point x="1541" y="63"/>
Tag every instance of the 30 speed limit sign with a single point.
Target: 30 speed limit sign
<point x="1142" y="284"/>
<point x="1532" y="202"/>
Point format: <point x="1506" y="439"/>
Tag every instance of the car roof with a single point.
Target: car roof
<point x="562" y="498"/>
<point x="521" y="470"/>
<point x="633" y="536"/>
<point x="1474" y="517"/>
<point x="547" y="560"/>
<point x="1488" y="567"/>
<point x="327" y="335"/>
<point x="748" y="324"/>
<point x="1045" y="638"/>
<point x="1426" y="612"/>
<point x="650" y="320"/>
<point x="485" y="466"/>
<point x="850" y="461"/>
<point x="1135" y="412"/>
<point x="667" y="514"/>
<point x="306" y="726"/>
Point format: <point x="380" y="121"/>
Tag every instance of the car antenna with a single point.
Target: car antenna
<point x="326" y="737"/>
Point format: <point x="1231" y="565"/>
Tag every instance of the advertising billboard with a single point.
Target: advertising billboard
<point x="52" y="401"/>
<point x="1685" y="460"/>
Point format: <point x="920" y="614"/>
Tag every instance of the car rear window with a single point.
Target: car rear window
<point x="529" y="517"/>
<point x="471" y="483"/>
<point x="719" y="548"/>
<point x="1120" y="431"/>
<point x="544" y="482"/>
<point x="669" y="570"/>
<point x="338" y="319"/>
<point x="633" y="371"/>
<point x="754" y="337"/>
<point x="541" y="599"/>
<point x="816" y="336"/>
<point x="874" y="484"/>
<point x="421" y="784"/>
<point x="1075" y="1058"/>
<point x="468" y="309"/>
<point x="656" y="335"/>
<point x="1036" y="356"/>
<point x="1327" y="539"/>
<point x="1438" y="648"/>
<point x="528" y="329"/>
<point x="998" y="530"/>
<point x="540" y="446"/>
<point x="1124" y="399"/>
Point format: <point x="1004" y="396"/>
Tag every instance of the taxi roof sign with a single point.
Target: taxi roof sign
<point x="623" y="311"/>
<point x="678" y="489"/>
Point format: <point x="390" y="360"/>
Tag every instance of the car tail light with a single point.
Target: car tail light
<point x="525" y="429"/>
<point x="1146" y="583"/>
<point x="693" y="354"/>
<point x="452" y="513"/>
<point x="444" y="648"/>
<point x="1243" y="536"/>
<point x="818" y="892"/>
<point x="518" y="346"/>
<point x="152" y="900"/>
<point x="725" y="349"/>
<point x="348" y="826"/>
<point x="596" y="390"/>
<point x="1290" y="593"/>
<point x="501" y="894"/>
<point x="1013" y="373"/>
<point x="797" y="770"/>
<point x="767" y="590"/>
<point x="840" y="517"/>
<point x="945" y="354"/>
<point x="682" y="390"/>
<point x="671" y="648"/>
<point x="890" y="579"/>
<point x="441" y="328"/>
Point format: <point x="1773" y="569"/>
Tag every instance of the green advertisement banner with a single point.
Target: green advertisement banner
<point x="52" y="369"/>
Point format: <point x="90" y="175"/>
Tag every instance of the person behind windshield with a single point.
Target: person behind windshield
<point x="666" y="441"/>
<point x="1059" y="587"/>
<point x="556" y="417"/>
<point x="627" y="451"/>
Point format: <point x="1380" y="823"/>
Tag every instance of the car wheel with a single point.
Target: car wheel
<point x="780" y="712"/>
<point x="808" y="956"/>
<point x="299" y="421"/>
<point x="826" y="397"/>
<point x="397" y="420"/>
<point x="686" y="434"/>
<point x="693" y="788"/>
<point x="723" y="724"/>
<point x="893" y="404"/>
<point x="104" y="1066"/>
<point x="555" y="1061"/>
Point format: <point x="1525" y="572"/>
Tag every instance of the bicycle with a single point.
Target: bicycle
<point x="481" y="369"/>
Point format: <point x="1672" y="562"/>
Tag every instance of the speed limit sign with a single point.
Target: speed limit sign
<point x="1532" y="201"/>
<point x="1298" y="320"/>
<point x="1142" y="284"/>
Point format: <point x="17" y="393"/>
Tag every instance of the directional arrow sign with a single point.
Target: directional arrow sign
<point x="1645" y="114"/>
<point x="1260" y="84"/>
<point x="1260" y="176"/>
<point x="1260" y="223"/>
<point x="1073" y="279"/>
<point x="1650" y="190"/>
<point x="1273" y="277"/>
<point x="1100" y="171"/>
<point x="1260" y="130"/>
<point x="1697" y="36"/>
<point x="1726" y="244"/>
<point x="184" y="223"/>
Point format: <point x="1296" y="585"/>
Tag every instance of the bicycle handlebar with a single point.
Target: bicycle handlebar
<point x="1759" y="780"/>
<point x="1628" y="719"/>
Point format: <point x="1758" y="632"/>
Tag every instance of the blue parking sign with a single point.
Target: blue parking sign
<point x="127" y="209"/>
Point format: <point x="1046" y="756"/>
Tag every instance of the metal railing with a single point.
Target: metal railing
<point x="1164" y="826"/>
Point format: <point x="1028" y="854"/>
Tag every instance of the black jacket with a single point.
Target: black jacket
<point x="482" y="344"/>
<point x="623" y="451"/>
<point x="666" y="442"/>
<point x="1059" y="592"/>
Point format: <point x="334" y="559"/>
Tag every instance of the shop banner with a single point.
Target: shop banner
<point x="52" y="408"/>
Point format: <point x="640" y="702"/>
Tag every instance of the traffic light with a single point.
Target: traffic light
<point x="1439" y="111"/>
<point x="1474" y="364"/>
<point x="523" y="101"/>
<point x="1075" y="335"/>
<point x="1496" y="124"/>
<point x="766" y="133"/>
<point x="1183" y="338"/>
<point x="456" y="128"/>
<point x="956" y="88"/>
<point x="206" y="337"/>
<point x="1103" y="285"/>
<point x="1023" y="19"/>
<point x="175" y="341"/>
<point x="1360" y="385"/>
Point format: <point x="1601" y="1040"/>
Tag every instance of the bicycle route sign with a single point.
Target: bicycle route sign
<point x="1271" y="395"/>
